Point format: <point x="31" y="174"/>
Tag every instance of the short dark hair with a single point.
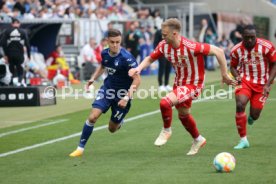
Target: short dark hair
<point x="15" y="20"/>
<point x="249" y="27"/>
<point x="113" y="33"/>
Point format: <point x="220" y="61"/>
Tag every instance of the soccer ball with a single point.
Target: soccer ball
<point x="224" y="162"/>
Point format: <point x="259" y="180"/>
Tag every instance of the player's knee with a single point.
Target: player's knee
<point x="183" y="113"/>
<point x="165" y="103"/>
<point x="240" y="107"/>
<point x="92" y="118"/>
<point x="255" y="116"/>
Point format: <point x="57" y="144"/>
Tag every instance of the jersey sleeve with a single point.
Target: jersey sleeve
<point x="272" y="54"/>
<point x="131" y="62"/>
<point x="103" y="57"/>
<point x="158" y="51"/>
<point x="202" y="48"/>
<point x="233" y="60"/>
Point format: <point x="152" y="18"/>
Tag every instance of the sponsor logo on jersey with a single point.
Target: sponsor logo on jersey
<point x="252" y="62"/>
<point x="132" y="64"/>
<point x="180" y="64"/>
<point x="110" y="71"/>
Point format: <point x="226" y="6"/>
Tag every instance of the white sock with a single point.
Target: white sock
<point x="199" y="138"/>
<point x="80" y="148"/>
<point x="89" y="124"/>
<point x="244" y="138"/>
<point x="168" y="129"/>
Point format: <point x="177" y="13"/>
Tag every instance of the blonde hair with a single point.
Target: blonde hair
<point x="173" y="24"/>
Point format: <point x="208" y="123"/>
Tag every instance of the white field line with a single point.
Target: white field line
<point x="32" y="127"/>
<point x="96" y="129"/>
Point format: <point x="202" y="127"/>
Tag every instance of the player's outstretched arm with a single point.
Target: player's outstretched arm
<point x="272" y="75"/>
<point x="219" y="53"/>
<point x="134" y="86"/>
<point x="144" y="64"/>
<point x="99" y="71"/>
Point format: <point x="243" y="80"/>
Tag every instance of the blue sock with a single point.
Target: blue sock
<point x="86" y="132"/>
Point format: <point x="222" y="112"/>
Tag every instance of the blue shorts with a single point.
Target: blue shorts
<point x="104" y="102"/>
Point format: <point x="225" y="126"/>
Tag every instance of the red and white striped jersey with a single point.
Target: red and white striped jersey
<point x="254" y="64"/>
<point x="187" y="60"/>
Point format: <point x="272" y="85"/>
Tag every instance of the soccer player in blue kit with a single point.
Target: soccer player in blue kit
<point x="117" y="90"/>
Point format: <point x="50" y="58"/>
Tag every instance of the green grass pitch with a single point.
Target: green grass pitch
<point x="129" y="156"/>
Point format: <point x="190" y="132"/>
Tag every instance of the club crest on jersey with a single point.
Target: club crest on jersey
<point x="182" y="57"/>
<point x="116" y="62"/>
<point x="106" y="61"/>
<point x="256" y="54"/>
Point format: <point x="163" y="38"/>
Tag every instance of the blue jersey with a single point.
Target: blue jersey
<point x="117" y="68"/>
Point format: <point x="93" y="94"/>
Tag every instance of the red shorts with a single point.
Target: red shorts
<point x="254" y="92"/>
<point x="185" y="95"/>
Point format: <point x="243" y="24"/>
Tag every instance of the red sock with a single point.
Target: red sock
<point x="190" y="125"/>
<point x="241" y="123"/>
<point x="166" y="111"/>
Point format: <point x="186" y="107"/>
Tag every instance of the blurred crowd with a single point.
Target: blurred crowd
<point x="138" y="38"/>
<point x="71" y="9"/>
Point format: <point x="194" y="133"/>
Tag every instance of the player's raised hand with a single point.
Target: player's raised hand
<point x="133" y="71"/>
